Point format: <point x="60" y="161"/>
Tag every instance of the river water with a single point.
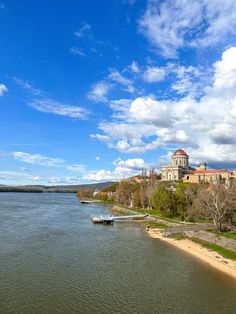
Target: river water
<point x="54" y="260"/>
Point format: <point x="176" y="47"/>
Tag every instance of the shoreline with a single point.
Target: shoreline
<point x="210" y="257"/>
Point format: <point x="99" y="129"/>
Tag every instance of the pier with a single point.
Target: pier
<point x="109" y="219"/>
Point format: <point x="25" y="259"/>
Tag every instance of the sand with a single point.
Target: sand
<point x="212" y="258"/>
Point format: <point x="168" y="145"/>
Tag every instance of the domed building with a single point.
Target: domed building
<point x="178" y="168"/>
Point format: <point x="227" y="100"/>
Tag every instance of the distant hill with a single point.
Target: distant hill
<point x="55" y="188"/>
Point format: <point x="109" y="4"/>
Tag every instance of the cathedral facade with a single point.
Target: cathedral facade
<point x="180" y="170"/>
<point x="179" y="167"/>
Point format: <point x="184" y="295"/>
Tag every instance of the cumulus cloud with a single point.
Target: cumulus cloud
<point x="37" y="159"/>
<point x="204" y="125"/>
<point x="150" y="111"/>
<point x="51" y="106"/>
<point x="123" y="169"/>
<point x="99" y="176"/>
<point x="3" y="89"/>
<point x="172" y="25"/>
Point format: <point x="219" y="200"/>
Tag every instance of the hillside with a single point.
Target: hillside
<point x="55" y="188"/>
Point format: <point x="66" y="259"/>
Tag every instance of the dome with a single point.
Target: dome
<point x="180" y="152"/>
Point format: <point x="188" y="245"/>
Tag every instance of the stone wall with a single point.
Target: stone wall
<point x="213" y="238"/>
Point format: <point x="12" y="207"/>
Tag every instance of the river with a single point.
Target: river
<point x="54" y="260"/>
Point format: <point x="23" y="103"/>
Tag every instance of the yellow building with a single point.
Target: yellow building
<point x="207" y="176"/>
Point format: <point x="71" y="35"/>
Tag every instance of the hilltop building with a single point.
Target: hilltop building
<point x="209" y="176"/>
<point x="180" y="170"/>
<point x="179" y="167"/>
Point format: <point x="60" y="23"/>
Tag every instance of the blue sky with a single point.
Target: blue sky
<point x="96" y="90"/>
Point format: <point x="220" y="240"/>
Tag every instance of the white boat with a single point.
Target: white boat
<point x="105" y="219"/>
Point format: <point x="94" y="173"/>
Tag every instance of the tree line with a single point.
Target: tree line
<point x="185" y="201"/>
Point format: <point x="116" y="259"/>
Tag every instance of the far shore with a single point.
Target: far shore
<point x="208" y="256"/>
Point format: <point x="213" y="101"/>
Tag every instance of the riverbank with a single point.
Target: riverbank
<point x="206" y="255"/>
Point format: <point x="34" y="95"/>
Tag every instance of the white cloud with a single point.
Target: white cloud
<point x="83" y="31"/>
<point x="76" y="168"/>
<point x="123" y="169"/>
<point x="37" y="159"/>
<point x="104" y="138"/>
<point x="99" y="176"/>
<point x="225" y="70"/>
<point x="15" y="176"/>
<point x="99" y="91"/>
<point x="172" y="25"/>
<point x="150" y="111"/>
<point x="204" y="125"/>
<point x="223" y="134"/>
<point x="3" y="89"/>
<point x="117" y="77"/>
<point x="134" y="67"/>
<point x="131" y="164"/>
<point x="97" y="158"/>
<point x="77" y="51"/>
<point x="153" y="74"/>
<point x="27" y="86"/>
<point x="169" y="136"/>
<point x="190" y="80"/>
<point x="51" y="106"/>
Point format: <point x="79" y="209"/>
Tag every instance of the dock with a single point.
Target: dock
<point x="109" y="219"/>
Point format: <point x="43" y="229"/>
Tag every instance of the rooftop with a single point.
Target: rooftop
<point x="180" y="152"/>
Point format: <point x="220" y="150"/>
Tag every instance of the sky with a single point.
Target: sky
<point x="94" y="91"/>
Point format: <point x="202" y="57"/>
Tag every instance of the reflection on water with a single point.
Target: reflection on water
<point x="53" y="260"/>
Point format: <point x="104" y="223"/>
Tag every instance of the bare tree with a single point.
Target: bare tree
<point x="143" y="188"/>
<point x="217" y="201"/>
<point x="125" y="192"/>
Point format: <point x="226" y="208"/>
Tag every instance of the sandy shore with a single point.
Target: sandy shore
<point x="213" y="258"/>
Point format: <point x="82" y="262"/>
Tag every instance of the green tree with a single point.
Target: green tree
<point x="183" y="196"/>
<point x="164" y="200"/>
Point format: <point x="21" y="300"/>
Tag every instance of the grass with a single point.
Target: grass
<point x="157" y="214"/>
<point x="228" y="235"/>
<point x="214" y="247"/>
<point x="154" y="224"/>
<point x="105" y="201"/>
<point x="226" y="253"/>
